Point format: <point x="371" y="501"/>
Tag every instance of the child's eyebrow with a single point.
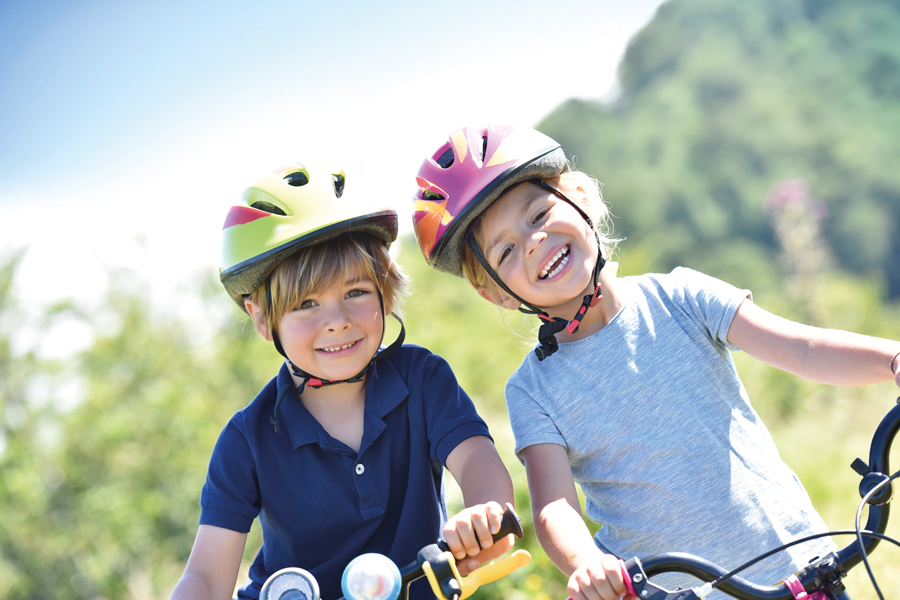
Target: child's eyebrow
<point x="357" y="279"/>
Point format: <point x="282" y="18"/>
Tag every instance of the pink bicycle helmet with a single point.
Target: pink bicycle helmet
<point x="466" y="174"/>
<point x="461" y="180"/>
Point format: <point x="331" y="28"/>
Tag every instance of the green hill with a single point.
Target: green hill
<point x="720" y="102"/>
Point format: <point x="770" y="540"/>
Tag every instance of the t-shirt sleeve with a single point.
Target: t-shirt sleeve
<point x="449" y="412"/>
<point x="230" y="496"/>
<point x="529" y="420"/>
<point x="711" y="302"/>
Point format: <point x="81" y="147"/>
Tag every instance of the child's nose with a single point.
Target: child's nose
<point x="534" y="242"/>
<point x="337" y="319"/>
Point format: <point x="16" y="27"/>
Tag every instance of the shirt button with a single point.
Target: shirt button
<point x="360" y="469"/>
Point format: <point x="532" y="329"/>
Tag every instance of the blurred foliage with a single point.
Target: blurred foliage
<point x="721" y="101"/>
<point x="101" y="499"/>
<point x="753" y="141"/>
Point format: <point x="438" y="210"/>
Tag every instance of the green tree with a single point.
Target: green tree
<point x="720" y="101"/>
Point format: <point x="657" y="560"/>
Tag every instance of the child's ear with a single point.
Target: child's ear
<point x="498" y="298"/>
<point x="258" y="322"/>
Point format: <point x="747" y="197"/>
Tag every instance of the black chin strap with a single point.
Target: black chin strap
<point x="317" y="382"/>
<point x="551" y="325"/>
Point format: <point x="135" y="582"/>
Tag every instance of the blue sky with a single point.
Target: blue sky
<point x="127" y="128"/>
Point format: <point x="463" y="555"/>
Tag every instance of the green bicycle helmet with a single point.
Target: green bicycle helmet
<point x="289" y="209"/>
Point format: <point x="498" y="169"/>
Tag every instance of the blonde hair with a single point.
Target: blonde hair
<point x="590" y="201"/>
<point x="313" y="269"/>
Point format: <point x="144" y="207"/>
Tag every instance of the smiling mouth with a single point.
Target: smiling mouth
<point x="556" y="264"/>
<point x="339" y="348"/>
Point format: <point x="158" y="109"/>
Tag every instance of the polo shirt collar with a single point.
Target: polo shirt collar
<point x="385" y="390"/>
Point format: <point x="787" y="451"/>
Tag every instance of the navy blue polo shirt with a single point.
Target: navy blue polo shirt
<point x="321" y="504"/>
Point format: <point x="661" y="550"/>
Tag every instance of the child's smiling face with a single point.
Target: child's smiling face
<point x="540" y="246"/>
<point x="335" y="332"/>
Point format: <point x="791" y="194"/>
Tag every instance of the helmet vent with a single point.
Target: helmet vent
<point x="297" y="179"/>
<point x="483" y="146"/>
<point x="338" y="182"/>
<point x="429" y="195"/>
<point x="446" y="159"/>
<point x="267" y="207"/>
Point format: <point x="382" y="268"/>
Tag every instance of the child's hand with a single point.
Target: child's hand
<point x="469" y="534"/>
<point x="599" y="577"/>
<point x="895" y="368"/>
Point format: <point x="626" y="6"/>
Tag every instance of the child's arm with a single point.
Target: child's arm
<point x="825" y="355"/>
<point x="560" y="526"/>
<point x="486" y="487"/>
<point x="212" y="569"/>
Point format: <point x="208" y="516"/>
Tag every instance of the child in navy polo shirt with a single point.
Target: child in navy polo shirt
<point x="342" y="453"/>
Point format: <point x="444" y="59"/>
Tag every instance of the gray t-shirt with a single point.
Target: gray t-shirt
<point x="661" y="435"/>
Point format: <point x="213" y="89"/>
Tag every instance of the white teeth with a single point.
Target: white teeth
<point x="338" y="349"/>
<point x="546" y="273"/>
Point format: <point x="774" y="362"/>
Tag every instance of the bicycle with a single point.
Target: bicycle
<point x="822" y="579"/>
<point x="376" y="577"/>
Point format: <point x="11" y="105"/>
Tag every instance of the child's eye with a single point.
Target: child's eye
<point x="356" y="293"/>
<point x="540" y="216"/>
<point x="306" y="304"/>
<point x="503" y="254"/>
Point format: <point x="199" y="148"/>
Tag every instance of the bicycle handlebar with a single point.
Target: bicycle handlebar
<point x="375" y="575"/>
<point x="437" y="563"/>
<point x="824" y="574"/>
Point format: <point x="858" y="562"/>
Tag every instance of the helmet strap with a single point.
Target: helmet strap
<point x="269" y="309"/>
<point x="551" y="325"/>
<point x="479" y="254"/>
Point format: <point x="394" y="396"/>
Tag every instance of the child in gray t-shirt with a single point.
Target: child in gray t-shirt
<point x="638" y="400"/>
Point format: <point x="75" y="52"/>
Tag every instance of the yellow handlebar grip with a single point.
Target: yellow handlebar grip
<point x="493" y="571"/>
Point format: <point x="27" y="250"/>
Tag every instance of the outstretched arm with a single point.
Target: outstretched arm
<point x="486" y="487"/>
<point x="561" y="530"/>
<point x="212" y="569"/>
<point x="828" y="356"/>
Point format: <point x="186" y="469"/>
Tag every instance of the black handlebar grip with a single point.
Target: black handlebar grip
<point x="511" y="524"/>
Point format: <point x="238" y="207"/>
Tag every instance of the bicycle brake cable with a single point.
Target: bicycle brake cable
<point x="862" y="548"/>
<point x="798" y="541"/>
